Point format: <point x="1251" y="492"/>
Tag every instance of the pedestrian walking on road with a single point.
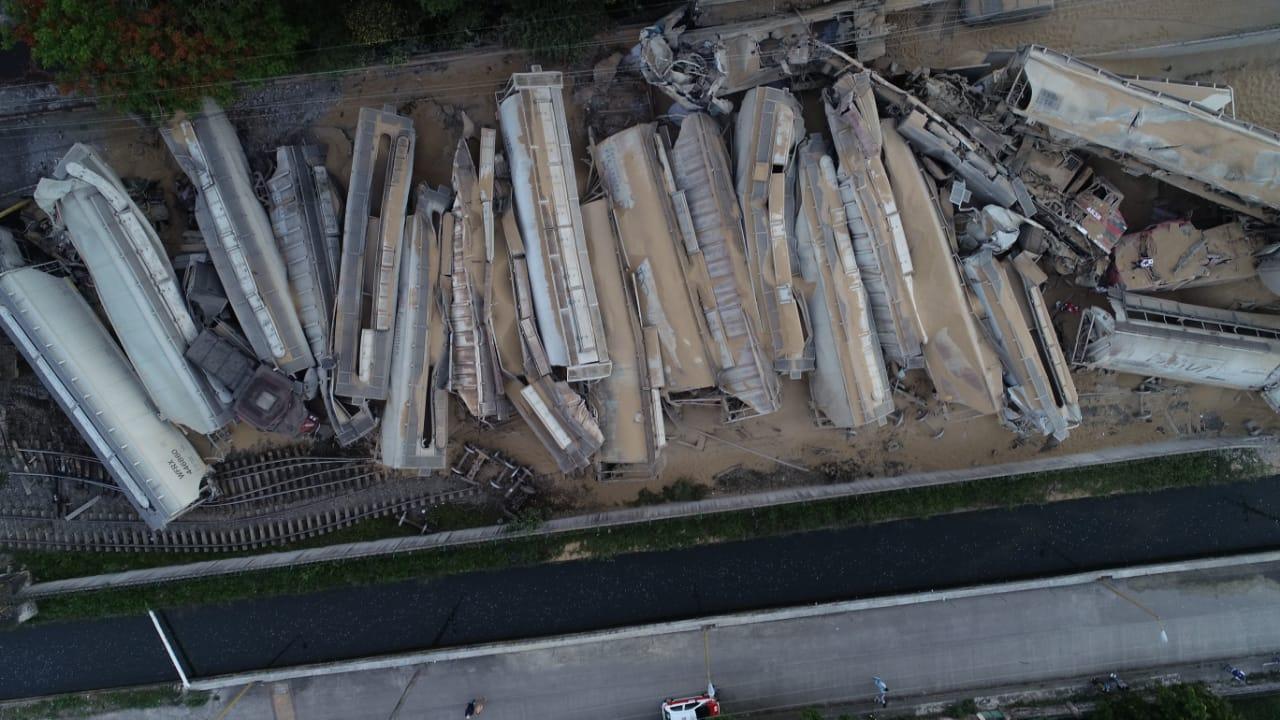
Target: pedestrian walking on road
<point x="474" y="708"/>
<point x="883" y="691"/>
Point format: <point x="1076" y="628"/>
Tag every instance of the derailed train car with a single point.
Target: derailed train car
<point x="137" y="287"/>
<point x="238" y="234"/>
<point x="77" y="360"/>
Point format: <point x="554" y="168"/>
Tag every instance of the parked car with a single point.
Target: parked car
<point x="690" y="708"/>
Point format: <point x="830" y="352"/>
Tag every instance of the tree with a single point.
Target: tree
<point x="1174" y="702"/>
<point x="154" y="56"/>
<point x="558" y="30"/>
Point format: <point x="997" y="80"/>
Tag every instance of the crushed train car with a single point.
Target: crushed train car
<point x="769" y="128"/>
<point x="1181" y="142"/>
<point x="1031" y="402"/>
<point x="629" y="401"/>
<point x="137" y="287"/>
<point x="634" y="169"/>
<point x="415" y="423"/>
<point x="699" y="66"/>
<point x="849" y="387"/>
<point x="304" y="210"/>
<point x="1176" y="254"/>
<point x="558" y="417"/>
<point x="873" y="218"/>
<point x="700" y="169"/>
<point x="369" y="273"/>
<point x="239" y="237"/>
<point x="474" y="373"/>
<point x="545" y="188"/>
<point x="959" y="360"/>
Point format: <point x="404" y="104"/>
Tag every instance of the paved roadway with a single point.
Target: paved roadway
<point x="924" y="649"/>
<point x="907" y="556"/>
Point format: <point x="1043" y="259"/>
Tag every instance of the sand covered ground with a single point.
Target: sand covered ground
<point x="452" y="98"/>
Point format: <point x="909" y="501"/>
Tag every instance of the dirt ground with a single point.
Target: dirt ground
<point x="452" y="99"/>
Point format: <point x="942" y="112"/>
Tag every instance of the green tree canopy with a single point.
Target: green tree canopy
<point x="152" y="56"/>
<point x="1175" y="702"/>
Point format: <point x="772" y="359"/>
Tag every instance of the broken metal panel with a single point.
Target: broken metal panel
<point x="1214" y="98"/>
<point x="783" y="45"/>
<point x="1177" y="254"/>
<point x="559" y="418"/>
<point x="849" y="387"/>
<point x="1052" y="356"/>
<point x="373" y="231"/>
<point x="415" y="423"/>
<point x="875" y="225"/>
<point x="1186" y="343"/>
<point x="222" y="359"/>
<point x="474" y="374"/>
<point x="350" y="422"/>
<point x="700" y="166"/>
<point x="557" y="415"/>
<point x="946" y="144"/>
<point x="699" y="67"/>
<point x="1066" y="190"/>
<point x="769" y="128"/>
<point x="136" y="285"/>
<point x="951" y="148"/>
<point x="1027" y="386"/>
<point x="238" y="234"/>
<point x="1095" y="213"/>
<point x="1179" y="139"/>
<point x="961" y="363"/>
<point x="635" y="171"/>
<point x="201" y="287"/>
<point x="545" y="186"/>
<point x="86" y="372"/>
<point x="304" y="215"/>
<point x="505" y="315"/>
<point x="628" y="402"/>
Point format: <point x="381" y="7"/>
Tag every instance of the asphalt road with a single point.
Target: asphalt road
<point x="932" y="649"/>
<point x="892" y="558"/>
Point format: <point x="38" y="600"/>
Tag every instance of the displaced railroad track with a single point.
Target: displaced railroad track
<point x="256" y="501"/>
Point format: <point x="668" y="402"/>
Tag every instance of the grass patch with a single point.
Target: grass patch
<point x="1266" y="707"/>
<point x="80" y="705"/>
<point x="56" y="565"/>
<point x="1140" y="476"/>
<point x="682" y="490"/>
<point x="963" y="708"/>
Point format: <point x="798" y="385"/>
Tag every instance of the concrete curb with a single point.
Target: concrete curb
<point x="630" y="516"/>
<point x="723" y="621"/>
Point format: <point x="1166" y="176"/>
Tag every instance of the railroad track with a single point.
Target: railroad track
<point x="255" y="502"/>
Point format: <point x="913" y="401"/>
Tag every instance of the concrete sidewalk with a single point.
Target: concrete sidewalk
<point x="631" y="516"/>
<point x="928" y="646"/>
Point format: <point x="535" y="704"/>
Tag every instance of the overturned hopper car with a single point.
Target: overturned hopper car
<point x="85" y="371"/>
<point x="136" y="285"/>
<point x="238" y="234"/>
<point x="545" y="187"/>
